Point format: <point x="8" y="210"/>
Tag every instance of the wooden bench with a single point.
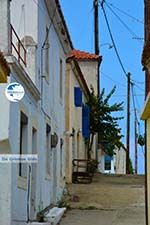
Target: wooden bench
<point x="82" y="172"/>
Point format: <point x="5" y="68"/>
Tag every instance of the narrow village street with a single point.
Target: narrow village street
<point x="75" y="112"/>
<point x="109" y="200"/>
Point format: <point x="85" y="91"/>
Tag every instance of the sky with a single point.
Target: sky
<point x="128" y="36"/>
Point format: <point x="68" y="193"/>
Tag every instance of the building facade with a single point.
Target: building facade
<point x="77" y="94"/>
<point x="112" y="165"/>
<point x="35" y="45"/>
<point x="81" y="76"/>
<point x="146" y="110"/>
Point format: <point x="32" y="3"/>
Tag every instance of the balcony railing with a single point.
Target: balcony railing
<point x="17" y="47"/>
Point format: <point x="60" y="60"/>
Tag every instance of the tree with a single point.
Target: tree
<point x="103" y="122"/>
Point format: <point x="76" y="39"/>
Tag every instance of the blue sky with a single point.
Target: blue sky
<point x="79" y="18"/>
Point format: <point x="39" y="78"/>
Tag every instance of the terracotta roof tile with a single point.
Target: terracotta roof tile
<point x="81" y="55"/>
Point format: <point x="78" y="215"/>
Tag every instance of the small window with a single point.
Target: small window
<point x="48" y="150"/>
<point x="23" y="143"/>
<point x="61" y="79"/>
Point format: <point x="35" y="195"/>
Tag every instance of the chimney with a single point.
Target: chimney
<point x="5" y="45"/>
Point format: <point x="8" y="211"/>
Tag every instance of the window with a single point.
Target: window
<point x="77" y="96"/>
<point x="108" y="163"/>
<point x="61" y="79"/>
<point x="85" y="121"/>
<point x="23" y="143"/>
<point x="46" y="54"/>
<point x="48" y="150"/>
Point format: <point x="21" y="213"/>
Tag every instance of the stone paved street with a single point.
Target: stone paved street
<point x="109" y="200"/>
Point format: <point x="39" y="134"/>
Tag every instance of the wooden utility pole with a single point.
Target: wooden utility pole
<point x="135" y="136"/>
<point x="96" y="41"/>
<point x="128" y="124"/>
<point x="135" y="131"/>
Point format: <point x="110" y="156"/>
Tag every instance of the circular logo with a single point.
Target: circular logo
<point x="14" y="92"/>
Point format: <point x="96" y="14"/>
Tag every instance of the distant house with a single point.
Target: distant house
<point x="115" y="164"/>
<point x="146" y="110"/>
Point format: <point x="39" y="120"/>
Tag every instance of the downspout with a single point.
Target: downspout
<point x="28" y="194"/>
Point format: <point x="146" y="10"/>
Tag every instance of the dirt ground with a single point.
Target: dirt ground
<point x="108" y="200"/>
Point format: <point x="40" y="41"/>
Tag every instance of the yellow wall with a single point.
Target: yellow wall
<point x="75" y="146"/>
<point x="146" y="116"/>
<point x="3" y="75"/>
<point x="148" y="166"/>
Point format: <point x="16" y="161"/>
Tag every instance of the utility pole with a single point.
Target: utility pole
<point x="135" y="136"/>
<point x="128" y="123"/>
<point x="135" y="132"/>
<point x="96" y="41"/>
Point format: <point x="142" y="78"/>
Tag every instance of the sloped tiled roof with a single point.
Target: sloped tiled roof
<point x="81" y="55"/>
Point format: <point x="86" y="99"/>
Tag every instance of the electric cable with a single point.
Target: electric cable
<point x="125" y="13"/>
<point x="104" y="74"/>
<point x="112" y="39"/>
<point x="123" y="23"/>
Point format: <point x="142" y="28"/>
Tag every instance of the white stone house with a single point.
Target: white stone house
<point x="36" y="123"/>
<point x="112" y="165"/>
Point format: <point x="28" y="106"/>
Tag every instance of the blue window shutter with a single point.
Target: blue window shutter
<point x="77" y="96"/>
<point x="85" y="121"/>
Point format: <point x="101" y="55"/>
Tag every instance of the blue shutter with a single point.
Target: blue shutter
<point x="85" y="121"/>
<point x="77" y="97"/>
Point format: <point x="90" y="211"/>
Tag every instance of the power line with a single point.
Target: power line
<point x="125" y="13"/>
<point x="133" y="100"/>
<point x="104" y="74"/>
<point x="112" y="39"/>
<point x="123" y="23"/>
<point x="50" y="24"/>
<point x="50" y="18"/>
<point x="137" y="100"/>
<point x="139" y="87"/>
<point x="42" y="10"/>
<point x="138" y="82"/>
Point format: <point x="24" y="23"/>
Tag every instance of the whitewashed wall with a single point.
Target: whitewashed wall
<point x="51" y="109"/>
<point x="89" y="69"/>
